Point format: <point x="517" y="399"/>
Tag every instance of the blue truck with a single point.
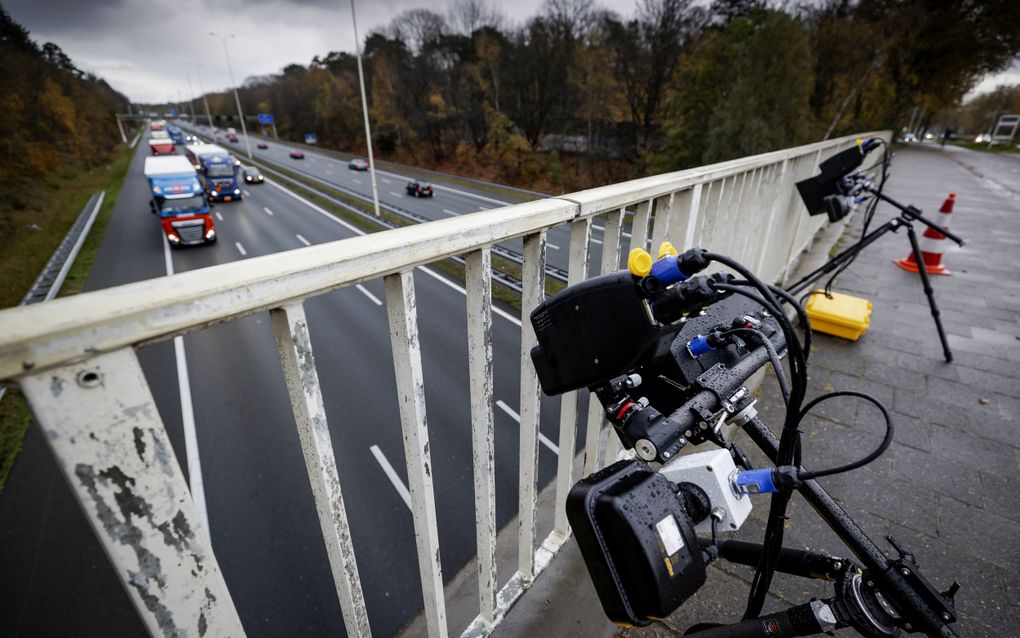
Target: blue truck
<point x="218" y="170"/>
<point x="178" y="198"/>
<point x="176" y="134"/>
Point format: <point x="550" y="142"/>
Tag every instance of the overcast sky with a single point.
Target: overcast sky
<point x="143" y="47"/>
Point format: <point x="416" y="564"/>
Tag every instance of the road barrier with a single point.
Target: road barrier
<point x="76" y="362"/>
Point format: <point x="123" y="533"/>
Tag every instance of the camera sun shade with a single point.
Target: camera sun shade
<point x="822" y="194"/>
<point x="637" y="542"/>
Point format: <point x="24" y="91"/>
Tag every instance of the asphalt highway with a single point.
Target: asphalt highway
<point x="262" y="519"/>
<point x="449" y="200"/>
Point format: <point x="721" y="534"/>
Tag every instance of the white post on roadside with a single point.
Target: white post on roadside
<point x="120" y="125"/>
<point x="237" y="98"/>
<point x="364" y="108"/>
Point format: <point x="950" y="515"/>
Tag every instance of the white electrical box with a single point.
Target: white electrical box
<point x="713" y="472"/>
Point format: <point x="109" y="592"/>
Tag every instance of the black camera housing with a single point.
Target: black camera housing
<point x="826" y="193"/>
<point x="637" y="540"/>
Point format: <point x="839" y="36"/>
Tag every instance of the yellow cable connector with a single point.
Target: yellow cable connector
<point x="666" y="248"/>
<point x="639" y="262"/>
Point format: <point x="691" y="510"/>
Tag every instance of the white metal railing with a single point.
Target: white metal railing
<point x="75" y="359"/>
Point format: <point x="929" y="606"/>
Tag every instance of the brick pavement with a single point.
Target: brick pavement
<point x="949" y="487"/>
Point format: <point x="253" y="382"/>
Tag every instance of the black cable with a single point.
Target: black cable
<point x="877" y="452"/>
<point x="798" y="307"/>
<point x="788" y="444"/>
<point x="777" y="365"/>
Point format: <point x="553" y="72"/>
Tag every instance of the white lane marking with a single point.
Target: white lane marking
<point x="303" y="240"/>
<point x="603" y="229"/>
<point x="392" y="475"/>
<point x="385" y="181"/>
<point x="268" y="212"/>
<point x="319" y="209"/>
<point x="355" y="180"/>
<point x="395" y="194"/>
<point x="495" y="310"/>
<point x="551" y="245"/>
<point x="195" y="483"/>
<point x="543" y="439"/>
<point x="450" y="212"/>
<point x="483" y="208"/>
<point x="240" y="249"/>
<point x="596" y="241"/>
<point x="354" y="229"/>
<point x="368" y="293"/>
<point x="218" y="216"/>
<point x="246" y="194"/>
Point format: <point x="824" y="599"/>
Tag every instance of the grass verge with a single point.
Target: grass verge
<point x="29" y="237"/>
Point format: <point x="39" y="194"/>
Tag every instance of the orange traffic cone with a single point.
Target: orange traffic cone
<point x="931" y="245"/>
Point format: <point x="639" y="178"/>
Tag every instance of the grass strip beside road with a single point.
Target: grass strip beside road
<point x="29" y="236"/>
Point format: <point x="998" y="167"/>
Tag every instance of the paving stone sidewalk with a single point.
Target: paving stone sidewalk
<point x="949" y="487"/>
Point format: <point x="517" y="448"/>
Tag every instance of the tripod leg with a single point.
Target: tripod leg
<point x="926" y="283"/>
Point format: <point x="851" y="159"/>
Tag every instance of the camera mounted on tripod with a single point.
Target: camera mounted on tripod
<point x="667" y="352"/>
<point x="834" y="191"/>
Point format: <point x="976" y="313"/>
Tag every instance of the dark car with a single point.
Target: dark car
<point x="262" y="145"/>
<point x="251" y="175"/>
<point x="419" y="188"/>
<point x="297" y="155"/>
<point x="231" y="137"/>
<point x="357" y="165"/>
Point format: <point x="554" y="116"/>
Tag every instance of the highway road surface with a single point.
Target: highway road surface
<point x="264" y="530"/>
<point x="449" y="200"/>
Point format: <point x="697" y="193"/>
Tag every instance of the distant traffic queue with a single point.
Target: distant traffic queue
<point x="177" y="197"/>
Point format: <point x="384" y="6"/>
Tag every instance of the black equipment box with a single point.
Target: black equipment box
<point x="637" y="541"/>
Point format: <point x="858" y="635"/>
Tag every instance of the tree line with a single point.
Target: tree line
<point x="52" y="113"/>
<point x="579" y="94"/>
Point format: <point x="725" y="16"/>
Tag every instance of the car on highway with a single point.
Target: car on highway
<point x="419" y="188"/>
<point x="231" y="137"/>
<point x="357" y="165"/>
<point x="251" y="175"/>
<point x="297" y="155"/>
<point x="262" y="145"/>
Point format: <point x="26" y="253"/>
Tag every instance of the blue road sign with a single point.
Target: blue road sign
<point x="266" y="119"/>
<point x="309" y="138"/>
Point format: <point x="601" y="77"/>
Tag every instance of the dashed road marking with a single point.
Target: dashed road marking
<point x="303" y="240"/>
<point x="543" y="439"/>
<point x="240" y="249"/>
<point x="396" y="194"/>
<point x="553" y="246"/>
<point x="450" y="212"/>
<point x="219" y="216"/>
<point x="391" y="474"/>
<point x="368" y="293"/>
<point x="268" y="212"/>
<point x="246" y="194"/>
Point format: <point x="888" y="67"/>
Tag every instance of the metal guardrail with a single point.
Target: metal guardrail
<point x="48" y="284"/>
<point x="75" y="359"/>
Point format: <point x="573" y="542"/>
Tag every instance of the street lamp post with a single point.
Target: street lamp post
<point x="364" y="108"/>
<point x="205" y="100"/>
<point x="191" y="97"/>
<point x="237" y="98"/>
